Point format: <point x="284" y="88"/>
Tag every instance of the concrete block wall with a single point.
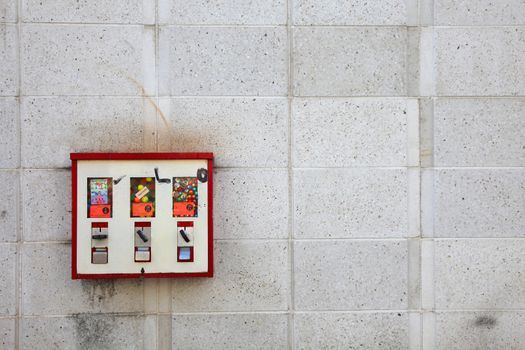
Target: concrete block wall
<point x="370" y="176"/>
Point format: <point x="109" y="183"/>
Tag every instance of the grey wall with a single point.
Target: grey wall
<point x="369" y="185"/>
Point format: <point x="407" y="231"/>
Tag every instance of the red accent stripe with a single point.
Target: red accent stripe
<point x="74" y="274"/>
<point x="185" y="224"/>
<point x="99" y="224"/>
<point x="142" y="224"/>
<point x="137" y="156"/>
<point x="146" y="275"/>
<point x="210" y="218"/>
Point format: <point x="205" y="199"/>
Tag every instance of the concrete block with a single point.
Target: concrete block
<point x="388" y="330"/>
<point x="479" y="132"/>
<point x="223" y="61"/>
<point x="480" y="330"/>
<point x="8" y="285"/>
<point x="230" y="331"/>
<point x="105" y="11"/>
<point x="46" y="202"/>
<point x="350" y="203"/>
<point x="349" y="132"/>
<point x="54" y="127"/>
<point x="250" y="12"/>
<point x="83" y="331"/>
<point x="86" y="60"/>
<point x="250" y="204"/>
<point x="9" y="57"/>
<point x="350" y="275"/>
<point x="8" y="11"/>
<point x="241" y="132"/>
<point x="480" y="61"/>
<point x="341" y="12"/>
<point x="479" y="12"/>
<point x="349" y="61"/>
<point x="249" y="275"/>
<point x="9" y="133"/>
<point x="9" y="209"/>
<point x="8" y="333"/>
<point x="479" y="274"/>
<point x="48" y="289"/>
<point x="164" y="331"/>
<point x="479" y="203"/>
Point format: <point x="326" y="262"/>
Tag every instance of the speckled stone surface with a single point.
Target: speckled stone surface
<point x="82" y="60"/>
<point x="252" y="12"/>
<point x="242" y="132"/>
<point x="479" y="274"/>
<point x="482" y="330"/>
<point x="249" y="276"/>
<point x="223" y="61"/>
<point x="8" y="260"/>
<point x="49" y="290"/>
<point x="10" y="210"/>
<point x="8" y="11"/>
<point x="355" y="203"/>
<point x="341" y="12"/>
<point x="349" y="61"/>
<point x="9" y="133"/>
<point x="479" y="12"/>
<point x="230" y="331"/>
<point x="83" y="331"/>
<point x="481" y="61"/>
<point x="479" y="203"/>
<point x="369" y="169"/>
<point x="349" y="132"/>
<point x="105" y="11"/>
<point x="351" y="330"/>
<point x="46" y="209"/>
<point x="250" y="204"/>
<point x="479" y="132"/>
<point x="54" y="127"/>
<point x="9" y="57"/>
<point x="8" y="333"/>
<point x="350" y="275"/>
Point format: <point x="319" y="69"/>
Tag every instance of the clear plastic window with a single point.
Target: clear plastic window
<point x="185" y="197"/>
<point x="142" y="197"/>
<point x="100" y="197"/>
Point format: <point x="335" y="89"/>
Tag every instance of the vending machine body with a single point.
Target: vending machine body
<point x="142" y="215"/>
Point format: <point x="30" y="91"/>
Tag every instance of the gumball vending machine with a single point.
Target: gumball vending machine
<point x="142" y="215"/>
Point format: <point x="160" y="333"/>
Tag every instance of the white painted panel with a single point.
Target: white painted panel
<point x="121" y="225"/>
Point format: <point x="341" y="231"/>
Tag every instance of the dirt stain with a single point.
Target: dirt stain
<point x="93" y="331"/>
<point x="485" y="321"/>
<point x="98" y="291"/>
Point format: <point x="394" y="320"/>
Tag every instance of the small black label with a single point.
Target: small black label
<point x="202" y="175"/>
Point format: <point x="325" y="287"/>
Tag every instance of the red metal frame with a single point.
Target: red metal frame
<point x="75" y="157"/>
